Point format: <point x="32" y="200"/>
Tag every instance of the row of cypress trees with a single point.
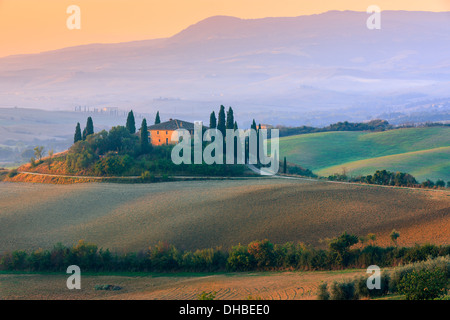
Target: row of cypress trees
<point x="223" y="122"/>
<point x="89" y="129"/>
<point x="130" y="125"/>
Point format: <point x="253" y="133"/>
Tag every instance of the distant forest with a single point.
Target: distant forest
<point x="373" y="125"/>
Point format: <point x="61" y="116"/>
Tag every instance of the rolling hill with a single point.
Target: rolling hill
<point x="134" y="216"/>
<point x="422" y="152"/>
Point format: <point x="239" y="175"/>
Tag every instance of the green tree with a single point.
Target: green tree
<point x="230" y="118"/>
<point x="371" y="237"/>
<point x="145" y="143"/>
<point x="440" y="183"/>
<point x="212" y="120"/>
<point x="157" y="119"/>
<point x="39" y="152"/>
<point x="284" y="165"/>
<point x="394" y="236"/>
<point x="131" y="124"/>
<point x="77" y="136"/>
<point x="341" y="247"/>
<point x="221" y="125"/>
<point x="89" y="126"/>
<point x="50" y="157"/>
<point x="428" y="184"/>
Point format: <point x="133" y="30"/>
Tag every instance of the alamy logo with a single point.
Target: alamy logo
<point x="74" y="281"/>
<point x="74" y="20"/>
<point x="374" y="281"/>
<point x="241" y="147"/>
<point x="374" y="21"/>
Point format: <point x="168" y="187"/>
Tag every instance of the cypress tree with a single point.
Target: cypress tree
<point x="253" y="126"/>
<point x="230" y="118"/>
<point x="212" y="120"/>
<point x="235" y="127"/>
<point x="145" y="143"/>
<point x="89" y="126"/>
<point x="77" y="136"/>
<point x="84" y="134"/>
<point x="284" y="166"/>
<point x="221" y="126"/>
<point x="157" y="119"/>
<point x="131" y="124"/>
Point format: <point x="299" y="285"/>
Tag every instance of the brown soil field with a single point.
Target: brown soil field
<point x="205" y="214"/>
<point x="228" y="286"/>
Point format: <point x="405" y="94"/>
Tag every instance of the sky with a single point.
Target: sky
<point x="32" y="26"/>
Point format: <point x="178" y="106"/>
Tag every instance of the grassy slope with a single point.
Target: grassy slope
<point x="321" y="151"/>
<point x="428" y="164"/>
<point x="205" y="214"/>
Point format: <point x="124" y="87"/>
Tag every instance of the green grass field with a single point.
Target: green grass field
<point x="423" y="152"/>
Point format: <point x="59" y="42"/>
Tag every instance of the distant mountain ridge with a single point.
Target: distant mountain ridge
<point x="313" y="70"/>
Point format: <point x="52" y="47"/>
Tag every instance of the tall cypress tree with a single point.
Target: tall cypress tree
<point x="131" y="124"/>
<point x="157" y="119"/>
<point x="221" y="126"/>
<point x="89" y="126"/>
<point x="284" y="166"/>
<point x="145" y="143"/>
<point x="77" y="136"/>
<point x="230" y="118"/>
<point x="212" y="120"/>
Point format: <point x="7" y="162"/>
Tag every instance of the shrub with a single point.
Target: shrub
<point x="322" y="292"/>
<point x="399" y="273"/>
<point x="421" y="253"/>
<point x="12" y="173"/>
<point x="363" y="291"/>
<point x="423" y="284"/>
<point x="147" y="176"/>
<point x="107" y="287"/>
<point x="343" y="290"/>
<point x="207" y="295"/>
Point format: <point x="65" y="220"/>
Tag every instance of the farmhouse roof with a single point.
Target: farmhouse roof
<point x="172" y="124"/>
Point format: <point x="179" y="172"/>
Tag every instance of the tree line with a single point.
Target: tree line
<point x="256" y="256"/>
<point x="373" y="125"/>
<point x="388" y="178"/>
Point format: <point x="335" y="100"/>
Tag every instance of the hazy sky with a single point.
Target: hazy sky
<point x="29" y="26"/>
